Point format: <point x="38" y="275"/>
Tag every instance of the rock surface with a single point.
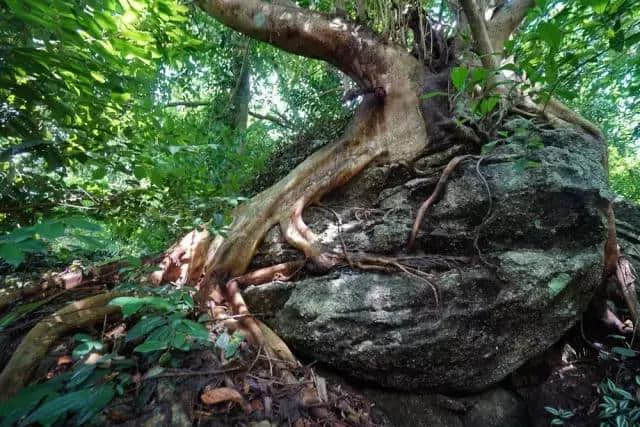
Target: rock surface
<point x="539" y="229"/>
<point x="495" y="407"/>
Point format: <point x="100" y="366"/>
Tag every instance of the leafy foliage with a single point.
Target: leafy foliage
<point x="618" y="407"/>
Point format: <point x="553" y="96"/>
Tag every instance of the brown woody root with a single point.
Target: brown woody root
<point x="71" y="278"/>
<point x="37" y="342"/>
<point x="448" y="170"/>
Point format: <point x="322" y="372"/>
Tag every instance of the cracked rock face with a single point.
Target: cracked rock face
<point x="509" y="268"/>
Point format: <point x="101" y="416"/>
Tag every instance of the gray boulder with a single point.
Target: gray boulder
<point x="507" y="270"/>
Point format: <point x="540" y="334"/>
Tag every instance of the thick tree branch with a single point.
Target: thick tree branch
<point x="480" y="34"/>
<point x="505" y="21"/>
<point x="348" y="46"/>
<point x="274" y="119"/>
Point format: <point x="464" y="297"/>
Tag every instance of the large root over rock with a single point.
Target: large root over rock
<point x="37" y="342"/>
<point x="218" y="266"/>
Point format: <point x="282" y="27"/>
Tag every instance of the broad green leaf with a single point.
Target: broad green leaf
<point x="488" y="104"/>
<point x="551" y="34"/>
<point x="28" y="398"/>
<point x="459" y="76"/>
<point x="131" y="305"/>
<point x="99" y="77"/>
<point x="179" y="341"/>
<point x="479" y="75"/>
<point x="599" y="6"/>
<point x="191" y="328"/>
<point x="151" y="345"/>
<point x="80" y="375"/>
<point x="59" y="406"/>
<point x="50" y="230"/>
<point x="99" y="398"/>
<point x="11" y="253"/>
<point x="81" y="223"/>
<point x="144" y="326"/>
<point x="623" y="351"/>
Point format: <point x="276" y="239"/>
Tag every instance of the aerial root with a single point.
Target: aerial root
<point x="626" y="281"/>
<point x="39" y="339"/>
<point x="451" y="166"/>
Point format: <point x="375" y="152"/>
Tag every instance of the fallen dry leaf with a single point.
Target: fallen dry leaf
<point x="211" y="396"/>
<point x="309" y="397"/>
<point x="256" y="405"/>
<point x="64" y="360"/>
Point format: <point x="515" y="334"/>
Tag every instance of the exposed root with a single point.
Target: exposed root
<point x="37" y="342"/>
<point x="451" y="166"/>
<point x="71" y="278"/>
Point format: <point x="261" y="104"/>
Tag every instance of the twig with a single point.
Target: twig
<point x="194" y="373"/>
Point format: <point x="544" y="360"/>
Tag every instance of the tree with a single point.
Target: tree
<point x="407" y="67"/>
<point x="392" y="124"/>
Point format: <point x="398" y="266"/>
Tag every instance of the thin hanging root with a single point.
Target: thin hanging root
<point x="281" y="272"/>
<point x="367" y="262"/>
<point x="37" y="342"/>
<point x="451" y="166"/>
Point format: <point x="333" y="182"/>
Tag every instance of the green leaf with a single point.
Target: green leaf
<point x="144" y="326"/>
<point x="131" y="305"/>
<point x="81" y="223"/>
<point x="479" y="75"/>
<point x="59" y="406"/>
<point x="140" y="172"/>
<point x="50" y="230"/>
<point x="179" y="341"/>
<point x="99" y="173"/>
<point x="558" y="283"/>
<point x="617" y="42"/>
<point x="621" y="421"/>
<point x="488" y="104"/>
<point x="151" y="345"/>
<point x="623" y="351"/>
<point x="28" y="398"/>
<point x="557" y="422"/>
<point x="11" y="253"/>
<point x="459" y="76"/>
<point x="98" y="76"/>
<point x="551" y="34"/>
<point x="599" y="6"/>
<point x="552" y="411"/>
<point x="429" y="95"/>
<point x="80" y="375"/>
<point x="191" y="328"/>
<point x="20" y="311"/>
<point x="98" y="399"/>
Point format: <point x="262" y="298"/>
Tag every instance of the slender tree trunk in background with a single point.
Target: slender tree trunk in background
<point x="239" y="108"/>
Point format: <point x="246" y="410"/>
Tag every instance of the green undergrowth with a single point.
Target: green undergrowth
<point x="160" y="330"/>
